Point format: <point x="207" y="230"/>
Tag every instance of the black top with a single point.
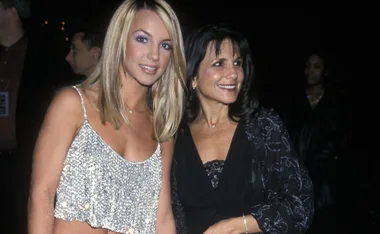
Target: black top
<point x="214" y="170"/>
<point x="260" y="176"/>
<point x="319" y="137"/>
<point x="205" y="205"/>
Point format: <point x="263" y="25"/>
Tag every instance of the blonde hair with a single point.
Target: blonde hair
<point x="167" y="93"/>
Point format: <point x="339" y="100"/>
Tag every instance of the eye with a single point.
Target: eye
<point x="166" y="46"/>
<point x="142" y="39"/>
<point x="218" y="64"/>
<point x="238" y="63"/>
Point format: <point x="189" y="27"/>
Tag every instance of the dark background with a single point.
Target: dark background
<point x="281" y="38"/>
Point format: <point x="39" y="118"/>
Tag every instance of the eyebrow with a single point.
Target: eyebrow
<point x="150" y="35"/>
<point x="224" y="59"/>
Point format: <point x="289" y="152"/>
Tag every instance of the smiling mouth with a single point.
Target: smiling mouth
<point x="149" y="69"/>
<point x="227" y="87"/>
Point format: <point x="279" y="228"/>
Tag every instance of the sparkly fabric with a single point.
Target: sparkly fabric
<point x="101" y="188"/>
<point x="214" y="171"/>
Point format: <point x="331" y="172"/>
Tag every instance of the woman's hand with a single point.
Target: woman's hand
<point x="234" y="226"/>
<point x="227" y="226"/>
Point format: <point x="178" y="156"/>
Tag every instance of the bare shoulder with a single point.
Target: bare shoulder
<point x="67" y="103"/>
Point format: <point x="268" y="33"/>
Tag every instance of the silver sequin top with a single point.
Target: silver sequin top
<point x="100" y="187"/>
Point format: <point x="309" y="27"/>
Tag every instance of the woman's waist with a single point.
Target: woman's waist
<point x="114" y="213"/>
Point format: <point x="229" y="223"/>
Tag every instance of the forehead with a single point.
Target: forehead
<point x="77" y="39"/>
<point x="226" y="48"/>
<point x="315" y="59"/>
<point x="149" y="22"/>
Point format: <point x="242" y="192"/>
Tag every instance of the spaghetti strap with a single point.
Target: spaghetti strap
<point x="82" y="101"/>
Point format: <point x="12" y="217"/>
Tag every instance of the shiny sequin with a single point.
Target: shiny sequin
<point x="101" y="188"/>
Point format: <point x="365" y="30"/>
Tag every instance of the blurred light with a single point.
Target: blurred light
<point x="63" y="28"/>
<point x="66" y="38"/>
<point x="46" y="22"/>
<point x="63" y="22"/>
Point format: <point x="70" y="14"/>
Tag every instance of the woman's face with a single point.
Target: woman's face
<point x="148" y="48"/>
<point x="314" y="70"/>
<point x="219" y="78"/>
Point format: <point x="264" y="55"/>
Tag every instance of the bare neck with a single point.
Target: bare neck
<point x="213" y="114"/>
<point x="89" y="71"/>
<point x="134" y="94"/>
<point x="315" y="90"/>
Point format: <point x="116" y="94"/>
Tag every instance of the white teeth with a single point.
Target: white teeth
<point x="227" y="86"/>
<point x="149" y="68"/>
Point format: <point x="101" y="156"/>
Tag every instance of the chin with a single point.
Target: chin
<point x="148" y="82"/>
<point x="228" y="101"/>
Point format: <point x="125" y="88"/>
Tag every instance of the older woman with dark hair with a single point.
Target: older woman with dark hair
<point x="234" y="170"/>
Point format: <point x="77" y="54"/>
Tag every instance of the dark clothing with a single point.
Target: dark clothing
<point x="261" y="176"/>
<point x="319" y="142"/>
<point x="11" y="66"/>
<point x="319" y="138"/>
<point x="32" y="99"/>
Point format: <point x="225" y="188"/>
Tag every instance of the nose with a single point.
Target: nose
<point x="153" y="53"/>
<point x="69" y="57"/>
<point x="232" y="73"/>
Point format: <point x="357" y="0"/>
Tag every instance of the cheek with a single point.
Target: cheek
<point x="206" y="78"/>
<point x="207" y="75"/>
<point x="319" y="72"/>
<point x="165" y="57"/>
<point x="134" y="50"/>
<point x="240" y="76"/>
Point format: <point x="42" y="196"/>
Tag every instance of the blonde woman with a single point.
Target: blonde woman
<point x="104" y="151"/>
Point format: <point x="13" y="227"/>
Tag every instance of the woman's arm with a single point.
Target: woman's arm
<point x="165" y="220"/>
<point x="288" y="206"/>
<point x="56" y="134"/>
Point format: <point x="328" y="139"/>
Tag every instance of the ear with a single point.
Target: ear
<point x="194" y="82"/>
<point x="96" y="52"/>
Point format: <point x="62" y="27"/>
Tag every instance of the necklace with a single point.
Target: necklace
<point x="130" y="111"/>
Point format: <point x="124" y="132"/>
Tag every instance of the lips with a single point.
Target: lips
<point x="149" y="69"/>
<point x="227" y="87"/>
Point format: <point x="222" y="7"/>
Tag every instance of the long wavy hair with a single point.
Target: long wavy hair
<point x="166" y="96"/>
<point x="196" y="49"/>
